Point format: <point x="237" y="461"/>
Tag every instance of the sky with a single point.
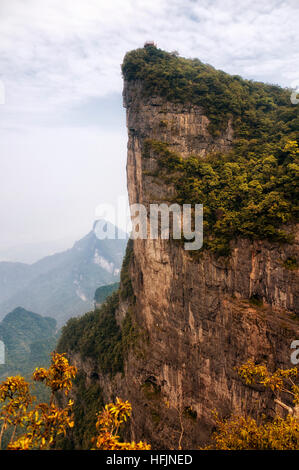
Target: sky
<point x="62" y="124"/>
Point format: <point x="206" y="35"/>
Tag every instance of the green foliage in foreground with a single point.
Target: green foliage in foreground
<point x="96" y="335"/>
<point x="259" y="111"/>
<point x="86" y="407"/>
<point x="249" y="195"/>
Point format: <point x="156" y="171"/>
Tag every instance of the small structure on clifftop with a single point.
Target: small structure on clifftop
<point x="150" y="44"/>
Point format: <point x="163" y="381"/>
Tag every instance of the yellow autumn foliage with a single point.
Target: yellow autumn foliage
<point x="245" y="433"/>
<point x="109" y="421"/>
<point x="37" y="426"/>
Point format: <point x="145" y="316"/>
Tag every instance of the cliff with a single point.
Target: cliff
<point x="182" y="321"/>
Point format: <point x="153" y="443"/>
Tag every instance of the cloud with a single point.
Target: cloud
<point x="62" y="128"/>
<point x="55" y="54"/>
<point x="53" y="179"/>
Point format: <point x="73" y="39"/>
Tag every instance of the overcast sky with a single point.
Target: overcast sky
<point x="62" y="127"/>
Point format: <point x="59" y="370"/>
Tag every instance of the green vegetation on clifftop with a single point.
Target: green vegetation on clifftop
<point x="258" y="111"/>
<point x="250" y="191"/>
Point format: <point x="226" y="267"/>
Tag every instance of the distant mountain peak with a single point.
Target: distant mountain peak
<point x="63" y="285"/>
<point x="103" y="225"/>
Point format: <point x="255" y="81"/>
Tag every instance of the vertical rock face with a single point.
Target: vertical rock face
<point x="192" y="321"/>
<point x="185" y="127"/>
<point x="198" y="318"/>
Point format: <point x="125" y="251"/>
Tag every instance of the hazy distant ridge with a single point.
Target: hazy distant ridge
<point x="62" y="285"/>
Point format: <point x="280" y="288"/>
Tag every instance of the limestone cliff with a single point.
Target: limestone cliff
<point x="187" y="321"/>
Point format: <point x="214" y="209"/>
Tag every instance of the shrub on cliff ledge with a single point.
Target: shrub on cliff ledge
<point x="96" y="335"/>
<point x="249" y="195"/>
